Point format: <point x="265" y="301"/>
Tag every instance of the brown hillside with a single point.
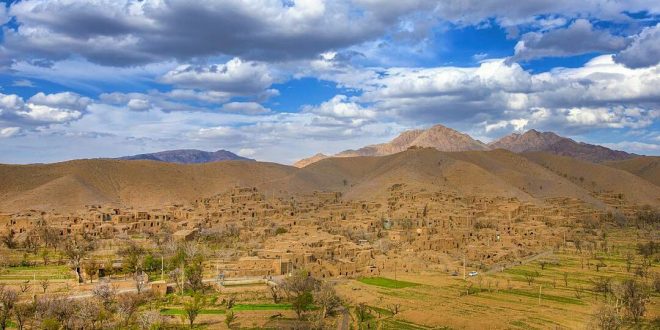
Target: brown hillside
<point x="599" y="178"/>
<point x="306" y="161"/>
<point x="647" y="168"/>
<point x="145" y="184"/>
<point x="535" y="141"/>
<point x="132" y="183"/>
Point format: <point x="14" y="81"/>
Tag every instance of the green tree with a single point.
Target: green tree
<point x="302" y="302"/>
<point x="192" y="308"/>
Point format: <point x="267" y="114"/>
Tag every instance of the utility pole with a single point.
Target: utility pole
<point x="395" y="270"/>
<point x="162" y="268"/>
<point x="540" y="293"/>
<point x="183" y="275"/>
<point x="464" y="267"/>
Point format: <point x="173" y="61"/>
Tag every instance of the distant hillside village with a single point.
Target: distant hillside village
<point x="332" y="237"/>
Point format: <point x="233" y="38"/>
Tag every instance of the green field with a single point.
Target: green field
<point x="176" y="311"/>
<point x="261" y="307"/>
<point x="387" y="282"/>
<point x="23" y="273"/>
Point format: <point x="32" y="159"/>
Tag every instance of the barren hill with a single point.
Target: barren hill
<point x="131" y="183"/>
<point x="647" y="168"/>
<point x="188" y="156"/>
<point x="599" y="178"/>
<point x="146" y="184"/>
<point x="533" y="141"/>
<point x="306" y="161"/>
<point x="439" y="137"/>
<point x="486" y="173"/>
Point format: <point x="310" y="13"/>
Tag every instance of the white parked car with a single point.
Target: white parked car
<point x="473" y="273"/>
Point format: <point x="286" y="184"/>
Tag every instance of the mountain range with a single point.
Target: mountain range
<point x="446" y="139"/>
<point x="187" y="156"/>
<point x="144" y="184"/>
<point x="531" y="167"/>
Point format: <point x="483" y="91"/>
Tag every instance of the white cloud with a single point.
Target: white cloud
<point x="247" y="108"/>
<point x="644" y="50"/>
<point x="47" y="114"/>
<point x="342" y="109"/>
<point x="578" y="38"/>
<point x="138" y="104"/>
<point x="22" y="83"/>
<point x="247" y="152"/>
<point x="9" y="132"/>
<point x="137" y="32"/>
<point x="236" y="77"/>
<point x="635" y="147"/>
<point x="42" y="109"/>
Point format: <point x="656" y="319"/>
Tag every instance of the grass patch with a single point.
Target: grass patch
<point x="403" y="325"/>
<point x="176" y="311"/>
<point x="387" y="282"/>
<point x="261" y="307"/>
<point x="545" y="297"/>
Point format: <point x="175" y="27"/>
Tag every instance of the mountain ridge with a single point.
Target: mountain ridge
<point x="187" y="156"/>
<point x="535" y="141"/>
<point x="449" y="140"/>
<point x="530" y="177"/>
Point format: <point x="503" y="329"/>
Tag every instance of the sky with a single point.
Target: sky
<point x="279" y="80"/>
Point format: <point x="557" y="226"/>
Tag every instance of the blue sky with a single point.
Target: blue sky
<point x="279" y="81"/>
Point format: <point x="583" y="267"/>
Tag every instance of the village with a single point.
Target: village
<point x="244" y="237"/>
<point x="327" y="235"/>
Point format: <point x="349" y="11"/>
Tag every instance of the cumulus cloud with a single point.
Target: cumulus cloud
<point x="174" y="100"/>
<point x="127" y="32"/>
<point x="342" y="109"/>
<point x="644" y="50"/>
<point x="601" y="94"/>
<point x="578" y="38"/>
<point x="509" y="13"/>
<point x="235" y="77"/>
<point x="248" y="108"/>
<point x="42" y="109"/>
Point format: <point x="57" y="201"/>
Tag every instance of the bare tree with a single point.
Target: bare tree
<point x="150" y="319"/>
<point x="634" y="296"/>
<point x="140" y="280"/>
<point x="606" y="318"/>
<point x="8" y="299"/>
<point x="92" y="314"/>
<point x="630" y="258"/>
<point x="25" y="286"/>
<point x="362" y="312"/>
<point x="127" y="305"/>
<point x="75" y="251"/>
<point x="578" y="291"/>
<point x="530" y="277"/>
<point x="9" y="239"/>
<point x="543" y="263"/>
<point x="23" y="314"/>
<point x="394" y="308"/>
<point x="327" y="299"/>
<point x="275" y="293"/>
<point x="602" y="285"/>
<point x="176" y="276"/>
<point x="106" y="294"/>
<point x="45" y="256"/>
<point x="44" y="283"/>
